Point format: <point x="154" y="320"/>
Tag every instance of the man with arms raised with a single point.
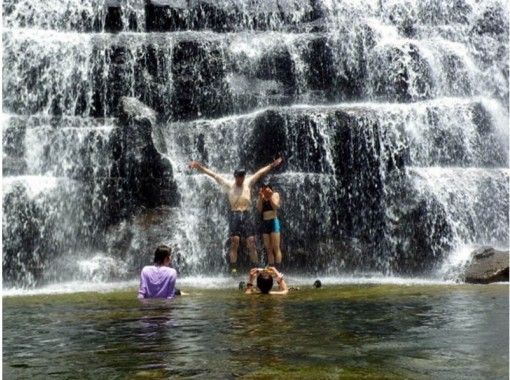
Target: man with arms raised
<point x="241" y="224"/>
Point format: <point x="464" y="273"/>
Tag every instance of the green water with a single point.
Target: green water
<point x="337" y="332"/>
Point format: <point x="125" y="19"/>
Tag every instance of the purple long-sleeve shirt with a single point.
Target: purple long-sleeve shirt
<point x="157" y="282"/>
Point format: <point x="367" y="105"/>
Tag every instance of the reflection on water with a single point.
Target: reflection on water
<point x="384" y="331"/>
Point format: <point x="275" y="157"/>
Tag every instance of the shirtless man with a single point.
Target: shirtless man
<point x="239" y="196"/>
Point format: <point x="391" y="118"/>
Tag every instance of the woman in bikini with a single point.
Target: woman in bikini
<point x="267" y="204"/>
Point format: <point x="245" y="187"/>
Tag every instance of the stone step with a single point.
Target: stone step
<point x="347" y="137"/>
<point x="230" y="15"/>
<point x="188" y="75"/>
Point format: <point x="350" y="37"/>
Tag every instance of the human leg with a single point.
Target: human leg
<point x="275" y="245"/>
<point x="248" y="231"/>
<point x="269" y="250"/>
<point x="275" y="241"/>
<point x="252" y="249"/>
<point x="234" y="246"/>
<point x="235" y="222"/>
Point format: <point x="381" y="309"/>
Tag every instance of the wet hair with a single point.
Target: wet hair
<point x="265" y="282"/>
<point x="239" y="172"/>
<point x="161" y="253"/>
<point x="266" y="184"/>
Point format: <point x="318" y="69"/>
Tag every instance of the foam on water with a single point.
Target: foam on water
<point x="193" y="284"/>
<point x="72" y="287"/>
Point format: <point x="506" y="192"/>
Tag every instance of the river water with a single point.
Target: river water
<point x="350" y="330"/>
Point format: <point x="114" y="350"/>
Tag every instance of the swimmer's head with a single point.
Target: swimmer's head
<point x="265" y="282"/>
<point x="162" y="254"/>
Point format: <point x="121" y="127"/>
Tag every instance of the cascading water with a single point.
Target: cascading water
<point x="392" y="118"/>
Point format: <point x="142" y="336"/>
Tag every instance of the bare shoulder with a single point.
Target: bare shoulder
<point x="250" y="180"/>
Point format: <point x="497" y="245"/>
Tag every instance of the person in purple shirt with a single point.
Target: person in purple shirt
<point x="158" y="280"/>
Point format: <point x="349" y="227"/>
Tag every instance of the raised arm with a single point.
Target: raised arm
<point x="197" y="165"/>
<point x="263" y="171"/>
<point x="275" y="200"/>
<point x="252" y="279"/>
<point x="260" y="198"/>
<point x="272" y="196"/>
<point x="282" y="285"/>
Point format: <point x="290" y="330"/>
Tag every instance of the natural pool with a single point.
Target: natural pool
<point x="363" y="330"/>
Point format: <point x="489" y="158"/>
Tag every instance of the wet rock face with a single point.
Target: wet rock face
<point x="22" y="221"/>
<point x="298" y="138"/>
<point x="227" y="16"/>
<point x="321" y="76"/>
<point x="133" y="240"/>
<point x="140" y="177"/>
<point x="487" y="265"/>
<point x="421" y="231"/>
<point x="44" y="228"/>
<point x="369" y="207"/>
<point x="199" y="81"/>
<point x="13" y="162"/>
<point x="405" y="75"/>
<point x="493" y="21"/>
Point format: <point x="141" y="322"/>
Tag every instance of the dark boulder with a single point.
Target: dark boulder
<point x="487" y="265"/>
<point x="128" y="67"/>
<point x="120" y="16"/>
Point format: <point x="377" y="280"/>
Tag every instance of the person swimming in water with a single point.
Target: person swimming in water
<point x="239" y="195"/>
<point x="261" y="281"/>
<point x="268" y="203"/>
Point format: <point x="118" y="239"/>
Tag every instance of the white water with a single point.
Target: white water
<point x="192" y="285"/>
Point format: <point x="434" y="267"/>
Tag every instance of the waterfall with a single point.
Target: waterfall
<point x="392" y="118"/>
